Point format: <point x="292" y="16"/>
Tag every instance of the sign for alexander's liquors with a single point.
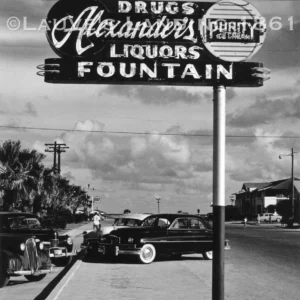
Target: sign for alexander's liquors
<point x="142" y="42"/>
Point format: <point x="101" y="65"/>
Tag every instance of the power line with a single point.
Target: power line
<point x="150" y="133"/>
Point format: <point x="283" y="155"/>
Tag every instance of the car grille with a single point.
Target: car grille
<point x="109" y="240"/>
<point x="31" y="256"/>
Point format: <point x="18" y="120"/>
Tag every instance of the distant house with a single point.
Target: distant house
<point x="255" y="198"/>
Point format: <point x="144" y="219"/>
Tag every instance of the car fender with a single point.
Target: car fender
<point x="7" y="254"/>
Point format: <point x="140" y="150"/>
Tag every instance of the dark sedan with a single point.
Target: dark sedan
<point x="21" y="253"/>
<point x="59" y="247"/>
<point x="165" y="234"/>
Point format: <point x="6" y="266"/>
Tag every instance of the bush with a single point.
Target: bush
<point x="80" y="218"/>
<point x="57" y="218"/>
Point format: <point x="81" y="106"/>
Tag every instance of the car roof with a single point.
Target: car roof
<point x="16" y="213"/>
<point x="133" y="216"/>
<point x="176" y="215"/>
<point x="173" y="216"/>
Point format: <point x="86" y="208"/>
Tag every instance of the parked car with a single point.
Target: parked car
<point x="59" y="247"/>
<point x="160" y="234"/>
<point x="270" y="217"/>
<point x="22" y="251"/>
<point x="91" y="237"/>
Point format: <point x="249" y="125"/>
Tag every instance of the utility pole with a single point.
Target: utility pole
<point x="56" y="149"/>
<point x="61" y="148"/>
<point x="157" y="199"/>
<point x="293" y="200"/>
<point x="292" y="185"/>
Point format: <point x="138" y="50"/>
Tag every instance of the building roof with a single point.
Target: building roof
<point x="283" y="184"/>
<point x="297" y="185"/>
<point x="250" y="185"/>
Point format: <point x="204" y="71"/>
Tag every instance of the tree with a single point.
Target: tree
<point x="77" y="197"/>
<point x="20" y="174"/>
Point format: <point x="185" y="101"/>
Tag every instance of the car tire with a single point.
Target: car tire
<point x="278" y="220"/>
<point x="208" y="255"/>
<point x="35" y="278"/>
<point x="148" y="254"/>
<point x="4" y="278"/>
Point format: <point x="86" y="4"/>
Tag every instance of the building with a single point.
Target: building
<point x="256" y="198"/>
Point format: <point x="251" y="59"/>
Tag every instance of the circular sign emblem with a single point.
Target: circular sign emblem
<point x="233" y="30"/>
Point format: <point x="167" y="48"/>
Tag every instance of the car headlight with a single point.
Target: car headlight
<point x="22" y="246"/>
<point x="130" y="240"/>
<point x="69" y="241"/>
<point x="41" y="246"/>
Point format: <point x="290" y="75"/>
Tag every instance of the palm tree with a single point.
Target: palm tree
<point x="20" y="174"/>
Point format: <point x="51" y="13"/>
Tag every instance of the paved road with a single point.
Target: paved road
<point x="263" y="263"/>
<point x="189" y="277"/>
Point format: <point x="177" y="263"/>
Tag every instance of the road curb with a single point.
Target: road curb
<point x="55" y="293"/>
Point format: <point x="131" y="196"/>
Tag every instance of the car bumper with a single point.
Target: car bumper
<point x="57" y="252"/>
<point x="109" y="249"/>
<point x="119" y="250"/>
<point x="28" y="272"/>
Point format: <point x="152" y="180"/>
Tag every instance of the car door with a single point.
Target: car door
<point x="201" y="235"/>
<point x="180" y="236"/>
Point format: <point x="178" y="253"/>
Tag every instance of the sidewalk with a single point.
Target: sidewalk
<point x="296" y="226"/>
<point x="190" y="278"/>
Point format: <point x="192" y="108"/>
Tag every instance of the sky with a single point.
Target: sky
<point x="132" y="144"/>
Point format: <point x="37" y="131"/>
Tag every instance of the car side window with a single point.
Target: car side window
<point x="149" y="221"/>
<point x="163" y="222"/>
<point x="196" y="224"/>
<point x="131" y="223"/>
<point x="180" y="223"/>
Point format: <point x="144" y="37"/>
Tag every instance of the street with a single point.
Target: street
<point x="262" y="264"/>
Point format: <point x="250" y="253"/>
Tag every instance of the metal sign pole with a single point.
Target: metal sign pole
<point x="218" y="192"/>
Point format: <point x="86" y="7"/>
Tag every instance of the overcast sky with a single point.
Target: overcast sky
<point x="130" y="170"/>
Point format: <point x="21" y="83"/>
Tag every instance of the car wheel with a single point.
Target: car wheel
<point x="64" y="261"/>
<point x="278" y="220"/>
<point x="35" y="278"/>
<point x="148" y="254"/>
<point x="4" y="278"/>
<point x="208" y="255"/>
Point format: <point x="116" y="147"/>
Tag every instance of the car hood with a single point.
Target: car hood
<point x="108" y="229"/>
<point x="105" y="230"/>
<point x="133" y="231"/>
<point x="24" y="234"/>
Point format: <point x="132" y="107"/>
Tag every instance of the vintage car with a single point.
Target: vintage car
<point x="91" y="237"/>
<point x="270" y="217"/>
<point x="60" y="248"/>
<point x="21" y="253"/>
<point x="160" y="234"/>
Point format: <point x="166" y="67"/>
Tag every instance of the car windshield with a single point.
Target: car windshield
<point x="23" y="222"/>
